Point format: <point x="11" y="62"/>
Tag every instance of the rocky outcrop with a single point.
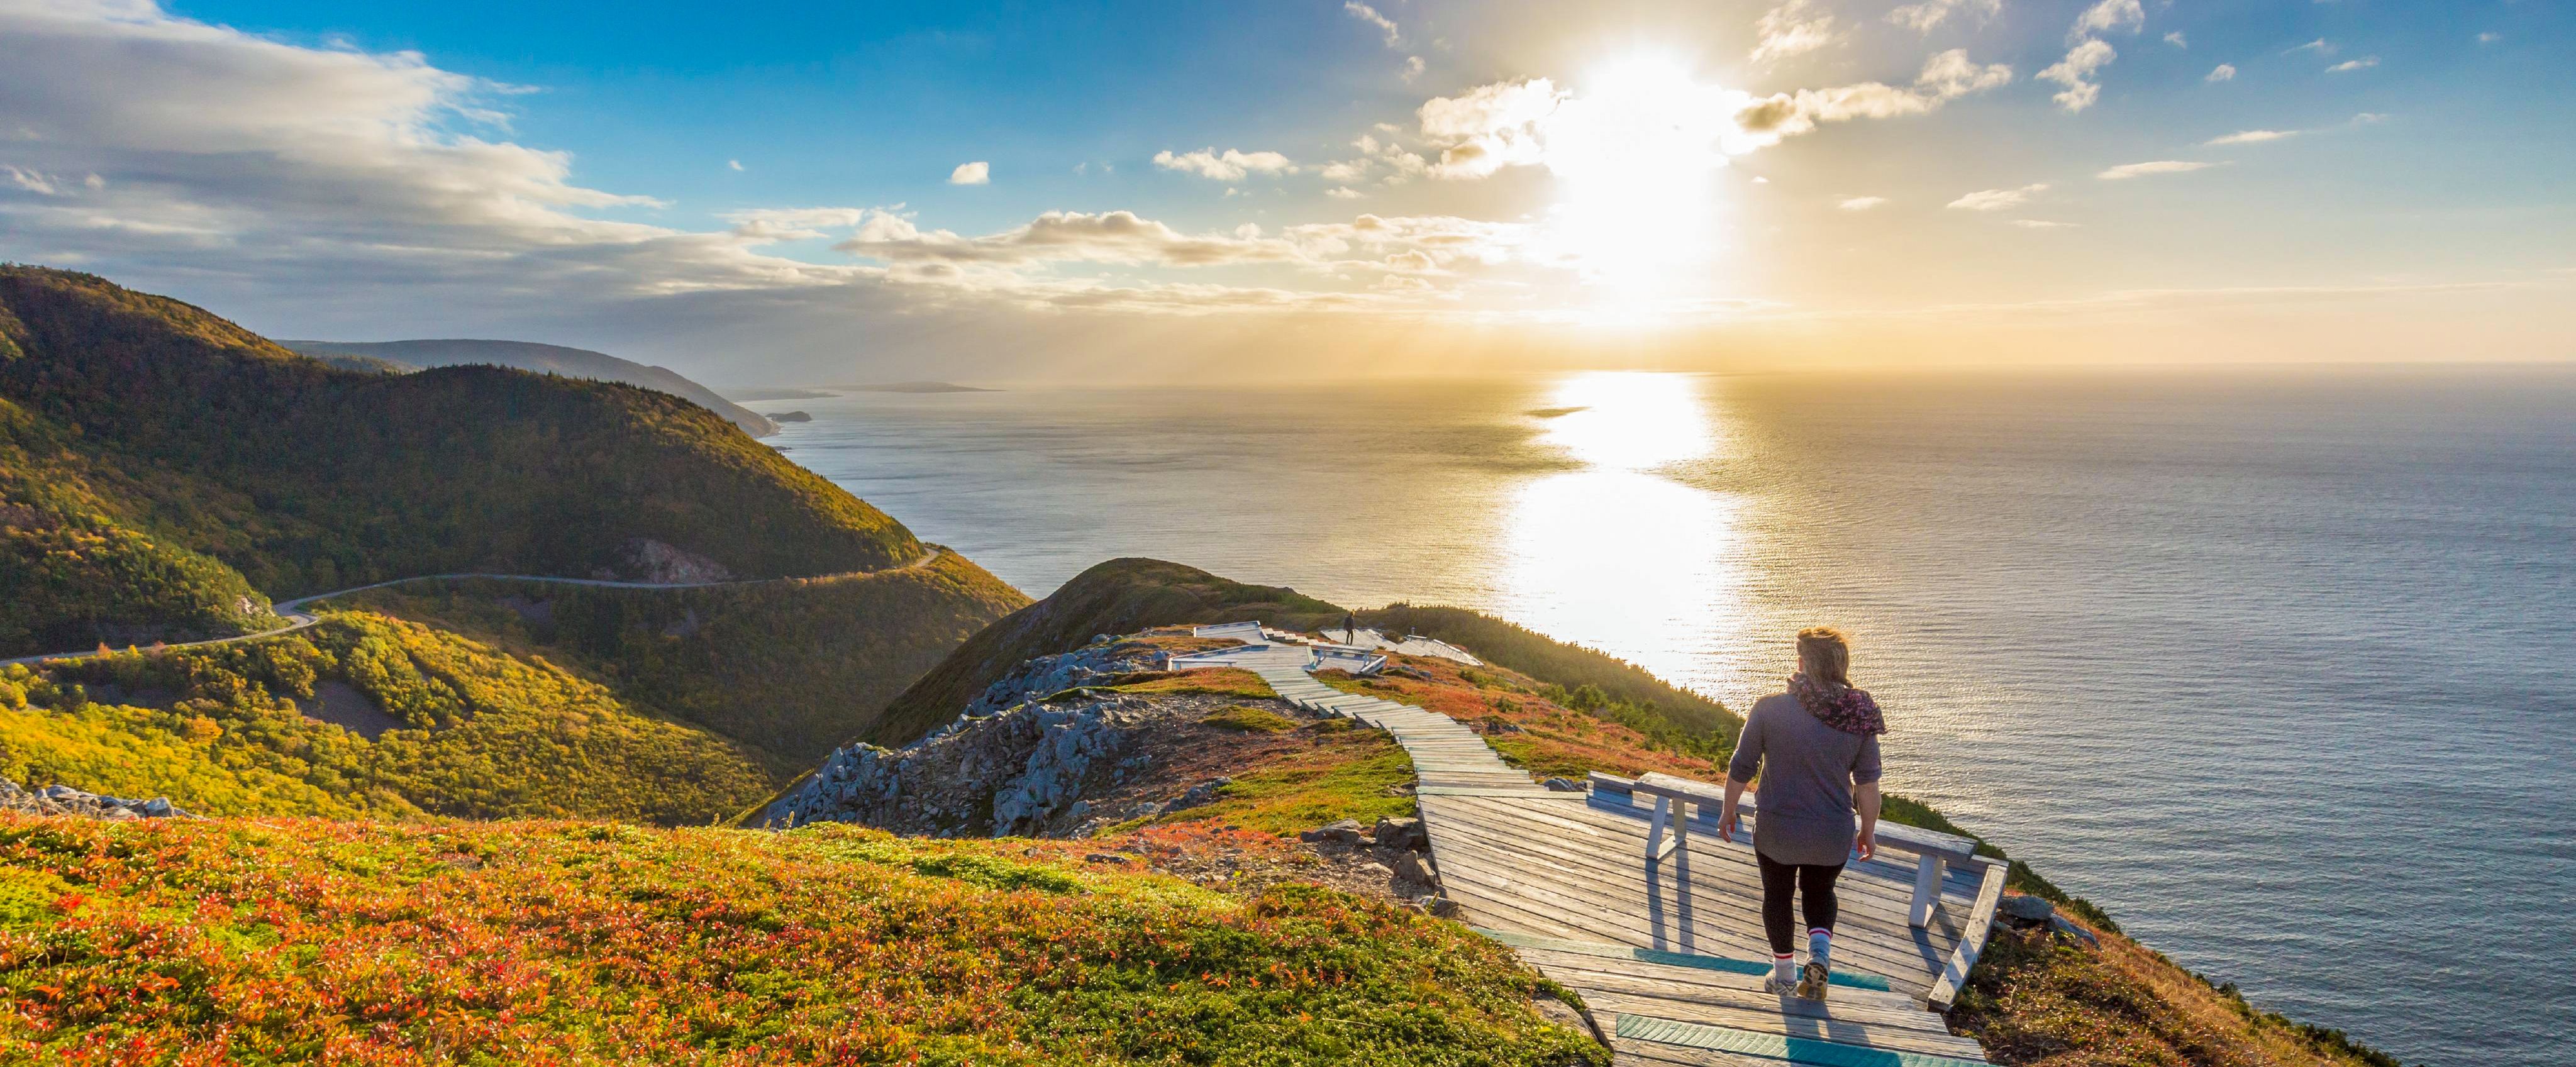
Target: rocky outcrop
<point x="1018" y="760"/>
<point x="65" y="800"/>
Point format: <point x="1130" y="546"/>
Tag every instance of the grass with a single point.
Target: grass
<point x="1214" y="681"/>
<point x="2039" y="1001"/>
<point x="1344" y="774"/>
<point x="307" y="941"/>
<point x="1249" y="720"/>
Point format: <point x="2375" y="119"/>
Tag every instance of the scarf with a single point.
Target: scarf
<point x="1843" y="708"/>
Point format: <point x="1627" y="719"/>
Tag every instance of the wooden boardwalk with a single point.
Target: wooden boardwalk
<point x="1669" y="953"/>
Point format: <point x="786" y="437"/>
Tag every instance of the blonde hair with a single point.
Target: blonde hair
<point x="1824" y="655"/>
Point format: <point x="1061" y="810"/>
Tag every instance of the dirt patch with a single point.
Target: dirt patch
<point x="342" y="705"/>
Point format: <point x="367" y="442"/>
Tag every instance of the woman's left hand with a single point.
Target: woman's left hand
<point x="1867" y="843"/>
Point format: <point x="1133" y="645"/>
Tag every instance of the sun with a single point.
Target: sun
<point x="1636" y="148"/>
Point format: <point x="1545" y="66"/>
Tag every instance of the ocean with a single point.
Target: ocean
<point x="2277" y="666"/>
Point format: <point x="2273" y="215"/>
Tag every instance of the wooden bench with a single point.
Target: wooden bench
<point x="1934" y="852"/>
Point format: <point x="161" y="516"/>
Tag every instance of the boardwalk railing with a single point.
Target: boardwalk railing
<point x="1935" y="852"/>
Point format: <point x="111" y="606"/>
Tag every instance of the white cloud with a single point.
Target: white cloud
<point x="2126" y="171"/>
<point x="975" y="173"/>
<point x="1228" y="166"/>
<point x="1369" y="15"/>
<point x="2364" y="119"/>
<point x="1862" y="203"/>
<point x="1794" y="28"/>
<point x="30" y="181"/>
<point x="1342" y="192"/>
<point x="1412" y="68"/>
<point x="2363" y="63"/>
<point x="1998" y="199"/>
<point x="2490" y="38"/>
<point x="2221" y="73"/>
<point x="1922" y="17"/>
<point x="1945" y="77"/>
<point x="733" y="164"/>
<point x="1120" y="237"/>
<point x="2040" y="224"/>
<point x="2251" y="137"/>
<point x="2076" y="71"/>
<point x="2320" y="46"/>
<point x="2177" y="40"/>
<point x="1489" y="127"/>
<point x="2106" y="16"/>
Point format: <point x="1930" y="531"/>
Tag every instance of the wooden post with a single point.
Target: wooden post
<point x="1656" y="847"/>
<point x="1927" y="889"/>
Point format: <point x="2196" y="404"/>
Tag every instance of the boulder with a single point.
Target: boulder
<point x="1347" y="831"/>
<point x="1563" y="785"/>
<point x="1417" y="868"/>
<point x="1399" y="833"/>
<point x="2028" y="910"/>
<point x="2060" y="925"/>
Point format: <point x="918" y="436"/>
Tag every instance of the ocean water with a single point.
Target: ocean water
<point x="2279" y="667"/>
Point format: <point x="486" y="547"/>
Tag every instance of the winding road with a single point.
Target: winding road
<point x="297" y="619"/>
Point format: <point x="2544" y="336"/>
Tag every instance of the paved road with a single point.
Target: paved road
<point x="297" y="619"/>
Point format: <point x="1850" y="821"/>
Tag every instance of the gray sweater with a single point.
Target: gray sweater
<point x="1808" y="771"/>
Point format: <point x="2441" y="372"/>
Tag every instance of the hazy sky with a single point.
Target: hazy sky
<point x="767" y="194"/>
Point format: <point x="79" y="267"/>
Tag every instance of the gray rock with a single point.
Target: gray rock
<point x="1412" y="865"/>
<point x="1564" y="785"/>
<point x="2028" y="909"/>
<point x="2069" y="929"/>
<point x="1399" y="833"/>
<point x="1346" y="831"/>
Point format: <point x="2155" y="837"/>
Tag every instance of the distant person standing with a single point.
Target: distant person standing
<point x="1350" y="628"/>
<point x="1816" y="747"/>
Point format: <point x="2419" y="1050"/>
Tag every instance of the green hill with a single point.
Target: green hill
<point x="438" y="724"/>
<point x="166" y="468"/>
<point x="399" y="357"/>
<point x="1117" y="597"/>
<point x="795" y="668"/>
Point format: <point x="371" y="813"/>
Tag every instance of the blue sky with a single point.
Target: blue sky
<point x="1415" y="186"/>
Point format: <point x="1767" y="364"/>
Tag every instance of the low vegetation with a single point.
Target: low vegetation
<point x="472" y="732"/>
<point x="2043" y="1001"/>
<point x="307" y="941"/>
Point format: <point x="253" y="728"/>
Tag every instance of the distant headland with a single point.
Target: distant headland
<point x="917" y="387"/>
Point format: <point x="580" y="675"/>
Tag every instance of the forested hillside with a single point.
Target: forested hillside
<point x="401" y="357"/>
<point x="795" y="668"/>
<point x="167" y="471"/>
<point x="366" y="715"/>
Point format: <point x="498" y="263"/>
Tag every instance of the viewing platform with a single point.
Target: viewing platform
<point x="1625" y="893"/>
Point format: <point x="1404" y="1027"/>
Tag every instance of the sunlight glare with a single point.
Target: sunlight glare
<point x="1635" y="149"/>
<point x="1630" y="420"/>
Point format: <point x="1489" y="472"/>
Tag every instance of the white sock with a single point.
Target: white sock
<point x="1784" y="968"/>
<point x="1820" y="944"/>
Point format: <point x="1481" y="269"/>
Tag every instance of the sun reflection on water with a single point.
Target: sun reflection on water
<point x="1615" y="552"/>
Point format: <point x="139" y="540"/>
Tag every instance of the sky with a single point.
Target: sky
<point x="761" y="194"/>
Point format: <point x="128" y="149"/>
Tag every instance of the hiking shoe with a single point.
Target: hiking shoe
<point x="1811" y="982"/>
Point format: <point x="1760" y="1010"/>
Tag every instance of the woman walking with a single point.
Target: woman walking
<point x="1816" y="747"/>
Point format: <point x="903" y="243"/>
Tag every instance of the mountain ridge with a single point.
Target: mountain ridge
<point x="424" y="353"/>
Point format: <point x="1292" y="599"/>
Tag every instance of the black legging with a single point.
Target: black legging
<point x="1814" y="881"/>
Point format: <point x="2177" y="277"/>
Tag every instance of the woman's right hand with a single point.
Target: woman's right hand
<point x="1726" y="823"/>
